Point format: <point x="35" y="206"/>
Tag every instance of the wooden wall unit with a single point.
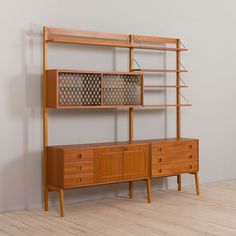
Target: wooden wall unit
<point x="84" y="165"/>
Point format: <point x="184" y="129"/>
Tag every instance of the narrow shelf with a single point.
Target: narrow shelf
<point x="166" y="105"/>
<point x="159" y="70"/>
<point x="165" y="86"/>
<point x="107" y="42"/>
<point x="158" y="48"/>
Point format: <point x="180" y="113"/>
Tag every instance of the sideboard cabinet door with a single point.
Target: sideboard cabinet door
<point x="108" y="164"/>
<point x="136" y="161"/>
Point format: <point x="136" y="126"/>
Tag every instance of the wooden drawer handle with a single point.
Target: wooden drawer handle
<point x="79" y="179"/>
<point x="79" y="167"/>
<point x="191" y="167"/>
<point x="190" y="146"/>
<point x="79" y="156"/>
<point x="125" y="149"/>
<point x="160" y="160"/>
<point x="160" y="149"/>
<point x="191" y="156"/>
<point x="160" y="170"/>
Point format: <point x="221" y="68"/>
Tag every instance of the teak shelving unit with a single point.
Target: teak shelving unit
<point x="73" y="166"/>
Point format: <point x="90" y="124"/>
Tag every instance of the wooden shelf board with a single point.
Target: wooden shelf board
<point x="165" y="86"/>
<point x="108" y="42"/>
<point x="159" y="70"/>
<point x="158" y="48"/>
<point x="166" y="105"/>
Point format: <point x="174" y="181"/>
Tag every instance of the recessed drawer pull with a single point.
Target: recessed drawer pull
<point x="160" y="149"/>
<point x="79" y="167"/>
<point x="79" y="179"/>
<point x="160" y="159"/>
<point x="160" y="170"/>
<point x="191" y="156"/>
<point x="190" y="166"/>
<point x="79" y="156"/>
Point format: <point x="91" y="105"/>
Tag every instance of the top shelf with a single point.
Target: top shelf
<point x="110" y="40"/>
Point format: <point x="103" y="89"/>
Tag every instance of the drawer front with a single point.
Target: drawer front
<point x="175" y="147"/>
<point x="78" y="180"/>
<point x="170" y="158"/>
<point x="78" y="167"/>
<point x="174" y="169"/>
<point x="78" y="155"/>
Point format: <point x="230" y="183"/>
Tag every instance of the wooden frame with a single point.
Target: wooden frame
<point x="131" y="42"/>
<point x="53" y="88"/>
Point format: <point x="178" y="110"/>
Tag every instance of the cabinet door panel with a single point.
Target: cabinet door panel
<point x="108" y="165"/>
<point x="136" y="162"/>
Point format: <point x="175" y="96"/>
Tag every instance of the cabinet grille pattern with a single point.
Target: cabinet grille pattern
<point x="79" y="89"/>
<point x="93" y="89"/>
<point x="122" y="89"/>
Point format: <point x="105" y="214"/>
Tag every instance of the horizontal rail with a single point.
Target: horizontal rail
<point x="83" y="33"/>
<point x="99" y="42"/>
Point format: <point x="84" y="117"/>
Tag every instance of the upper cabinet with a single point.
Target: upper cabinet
<point x="86" y="89"/>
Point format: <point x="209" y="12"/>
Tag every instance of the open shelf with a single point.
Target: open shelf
<point x="167" y="105"/>
<point x="165" y="86"/>
<point x="158" y="70"/>
<point x="109" y="43"/>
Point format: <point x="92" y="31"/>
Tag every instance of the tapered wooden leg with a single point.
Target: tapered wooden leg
<point x="46" y="198"/>
<point x="130" y="189"/>
<point x="149" y="193"/>
<point x="179" y="182"/>
<point x="61" y="191"/>
<point x="197" y="183"/>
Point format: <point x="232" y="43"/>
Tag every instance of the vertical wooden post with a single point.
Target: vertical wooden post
<point x="179" y="182"/>
<point x="131" y="109"/>
<point x="61" y="192"/>
<point x="45" y="114"/>
<point x="131" y="189"/>
<point x="197" y="183"/>
<point x="178" y="111"/>
<point x="149" y="193"/>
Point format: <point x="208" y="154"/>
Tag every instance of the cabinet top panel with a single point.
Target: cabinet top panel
<point x="95" y="72"/>
<point x="121" y="143"/>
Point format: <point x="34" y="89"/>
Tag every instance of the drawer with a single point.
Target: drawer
<point x="78" y="180"/>
<point x="78" y="155"/>
<point x="78" y="167"/>
<point x="169" y="158"/>
<point x="174" y="169"/>
<point x="175" y="147"/>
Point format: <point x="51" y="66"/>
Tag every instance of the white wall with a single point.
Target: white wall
<point x="205" y="27"/>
